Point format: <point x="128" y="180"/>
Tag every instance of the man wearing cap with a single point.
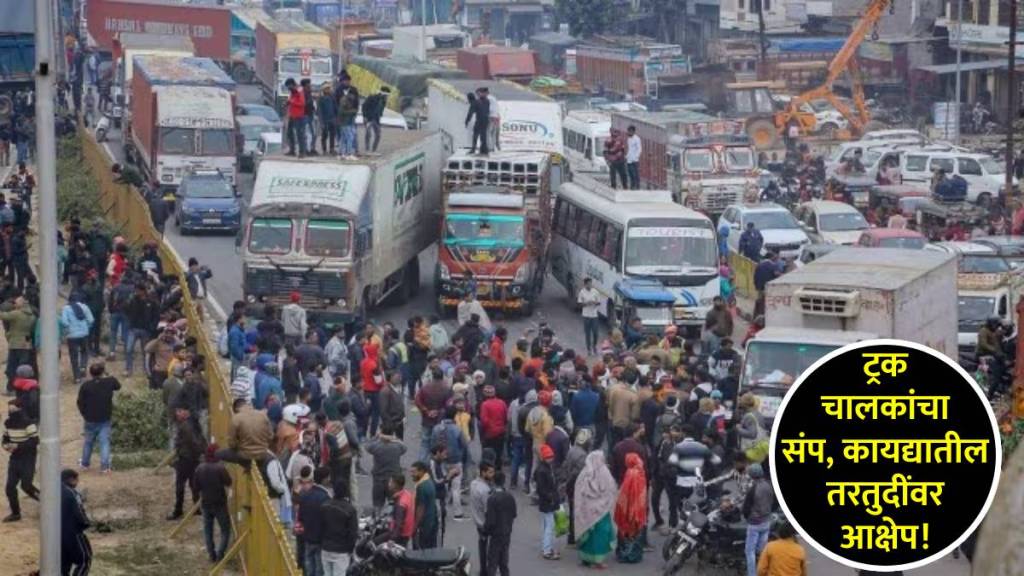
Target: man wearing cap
<point x="293" y="317"/>
<point x="296" y="118"/>
<point x="493" y="420"/>
<point x="161" y="350"/>
<point x="212" y="481"/>
<point x="547" y="500"/>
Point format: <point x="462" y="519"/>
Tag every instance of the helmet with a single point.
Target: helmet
<point x="293" y="412"/>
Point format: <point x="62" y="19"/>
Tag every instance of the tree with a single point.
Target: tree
<point x="588" y="17"/>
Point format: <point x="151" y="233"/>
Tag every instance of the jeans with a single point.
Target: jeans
<point x="496" y="444"/>
<point x="297" y="133"/>
<point x="373" y="399"/>
<point x="517" y="460"/>
<point x="141" y="336"/>
<point x="757" y="539"/>
<point x="328" y="135"/>
<point x="118" y="331"/>
<point x="78" y="351"/>
<point x="547" y="532"/>
<point x="479" y="134"/>
<point x="482" y="543"/>
<point x="618" y="169"/>
<point x="590" y="333"/>
<point x="335" y="563"/>
<point x="314" y="565"/>
<point x="712" y="342"/>
<point x="633" y="171"/>
<point x="425" y="443"/>
<point x="219" y="515"/>
<point x="348" y="140"/>
<point x="372" y="126"/>
<point x="94" y="431"/>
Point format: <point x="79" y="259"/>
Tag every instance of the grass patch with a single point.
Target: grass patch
<point x="133" y="460"/>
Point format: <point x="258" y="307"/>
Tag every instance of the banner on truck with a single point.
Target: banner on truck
<point x="532" y="126"/>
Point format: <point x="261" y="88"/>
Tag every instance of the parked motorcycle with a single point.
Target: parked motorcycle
<point x="390" y="559"/>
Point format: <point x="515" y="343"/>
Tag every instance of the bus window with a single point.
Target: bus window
<point x="571" y="222"/>
<point x="595" y="240"/>
<point x="583" y="229"/>
<point x="589" y="152"/>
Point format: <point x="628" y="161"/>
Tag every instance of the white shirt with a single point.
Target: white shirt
<point x="633" y="149"/>
<point x="590" y="300"/>
<point x="493" y="114"/>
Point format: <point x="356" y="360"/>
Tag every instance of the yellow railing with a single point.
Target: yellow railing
<point x="261" y="543"/>
<point x="743" y="274"/>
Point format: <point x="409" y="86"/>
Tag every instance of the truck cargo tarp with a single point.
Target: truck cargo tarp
<point x="517" y="63"/>
<point x="17" y="17"/>
<point x="408" y="76"/>
<point x="789" y="45"/>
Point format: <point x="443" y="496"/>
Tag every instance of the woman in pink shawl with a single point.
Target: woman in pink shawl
<point x="595" y="496"/>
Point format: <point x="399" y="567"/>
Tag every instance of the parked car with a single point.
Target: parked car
<point x="892" y="238"/>
<point x="831" y="222"/>
<point x="270" y="143"/>
<point x="266" y="112"/>
<point x="1009" y="247"/>
<point x="250" y="128"/>
<point x="781" y="232"/>
<point x="985" y="176"/>
<point x="975" y="257"/>
<point x="205" y="200"/>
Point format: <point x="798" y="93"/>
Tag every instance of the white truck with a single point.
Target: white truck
<point x="712" y="165"/>
<point x="981" y="296"/>
<point x="846" y="296"/>
<point x="344" y="235"/>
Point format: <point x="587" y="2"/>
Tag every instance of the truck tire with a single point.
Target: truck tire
<point x="241" y="74"/>
<point x="762" y="133"/>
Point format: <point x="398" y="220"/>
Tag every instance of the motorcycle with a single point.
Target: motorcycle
<point x="102" y="127"/>
<point x="390" y="559"/>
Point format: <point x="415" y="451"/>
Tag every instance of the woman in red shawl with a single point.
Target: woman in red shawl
<point x="631" y="512"/>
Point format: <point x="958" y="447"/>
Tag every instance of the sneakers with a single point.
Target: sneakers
<point x="552" y="556"/>
<point x="11" y="518"/>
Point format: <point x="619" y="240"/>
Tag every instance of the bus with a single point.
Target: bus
<point x="583" y="136"/>
<point x="608" y="235"/>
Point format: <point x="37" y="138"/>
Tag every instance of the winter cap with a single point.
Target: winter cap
<point x="755" y="471"/>
<point x="479" y="374"/>
<point x="295" y="297"/>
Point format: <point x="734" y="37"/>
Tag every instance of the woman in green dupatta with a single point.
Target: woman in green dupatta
<point x="595" y="496"/>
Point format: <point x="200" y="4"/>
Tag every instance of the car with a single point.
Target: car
<point x="205" y="200"/>
<point x="262" y="110"/>
<point x="985" y="175"/>
<point x="270" y="143"/>
<point x="250" y="128"/>
<point x="781" y="232"/>
<point x="974" y="257"/>
<point x="390" y="119"/>
<point x="811" y="252"/>
<point x="893" y="135"/>
<point x="872" y="156"/>
<point x="831" y="222"/>
<point x="892" y="238"/>
<point x="1009" y="247"/>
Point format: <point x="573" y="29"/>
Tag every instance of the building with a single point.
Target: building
<point x="511" y="20"/>
<point x="742" y="16"/>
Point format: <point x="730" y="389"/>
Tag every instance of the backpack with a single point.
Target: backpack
<point x="222" y="343"/>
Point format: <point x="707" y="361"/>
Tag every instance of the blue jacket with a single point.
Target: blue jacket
<point x="448" y="432"/>
<point x="76" y="328"/>
<point x="236" y="343"/>
<point x="265" y="386"/>
<point x="583" y="406"/>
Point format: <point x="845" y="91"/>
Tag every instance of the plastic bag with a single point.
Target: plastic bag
<point x="758" y="452"/>
<point x="561" y="522"/>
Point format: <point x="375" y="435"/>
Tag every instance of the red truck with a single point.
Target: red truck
<point x="655" y="129"/>
<point x="498" y="63"/>
<point x="209" y="27"/>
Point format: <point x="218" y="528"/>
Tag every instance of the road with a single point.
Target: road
<point x="225" y="287"/>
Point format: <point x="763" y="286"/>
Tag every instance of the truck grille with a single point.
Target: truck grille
<point x="276" y="286"/>
<point x="825" y="302"/>
<point x="717" y="199"/>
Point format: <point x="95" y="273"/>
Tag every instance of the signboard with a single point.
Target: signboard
<point x="653" y="69"/>
<point x="984" y="38"/>
<point x="875" y="51"/>
<point x="531" y="126"/>
<point x="209" y="27"/>
<point x="669" y="232"/>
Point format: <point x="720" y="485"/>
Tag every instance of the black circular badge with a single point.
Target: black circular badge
<point x="885" y="455"/>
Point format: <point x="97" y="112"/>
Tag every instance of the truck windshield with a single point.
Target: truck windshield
<point x="739" y="159"/>
<point x="218" y="142"/>
<point x="842" y="222"/>
<point x="983" y="265"/>
<point x="973" y="311"/>
<point x="912" y="243"/>
<point x="769" y="369"/>
<point x="327" y="238"/>
<point x="484" y="231"/>
<point x="270" y="236"/>
<point x="699" y="160"/>
<point x="291" y="65"/>
<point x="666" y="250"/>
<point x="321" y="66"/>
<point x="177" y="140"/>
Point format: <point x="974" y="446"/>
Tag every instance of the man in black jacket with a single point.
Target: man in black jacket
<point x="21" y="440"/>
<point x="96" y="405"/>
<point x="547" y="500"/>
<point x="373" y="111"/>
<point x="480" y="108"/>
<point x="500" y="515"/>
<point x="142" y="313"/>
<point x="311" y="519"/>
<point x="189" y="447"/>
<point x="340" y="532"/>
<point x="212" y="481"/>
<point x="75" y="550"/>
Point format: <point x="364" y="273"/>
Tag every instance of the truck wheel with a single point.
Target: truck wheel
<point x="241" y="73"/>
<point x="762" y="133"/>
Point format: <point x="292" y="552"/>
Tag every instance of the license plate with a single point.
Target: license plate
<point x="211" y="221"/>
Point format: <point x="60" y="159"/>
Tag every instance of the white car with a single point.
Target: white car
<point x="831" y="222"/>
<point x="985" y="175"/>
<point x="780" y="231"/>
<point x="270" y="143"/>
<point x="894" y="135"/>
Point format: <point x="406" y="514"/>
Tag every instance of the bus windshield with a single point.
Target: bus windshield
<point x="270" y="236"/>
<point x="483" y="231"/>
<point x="667" y="249"/>
<point x="769" y="369"/>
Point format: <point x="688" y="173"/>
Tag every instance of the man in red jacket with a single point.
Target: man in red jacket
<point x="373" y="381"/>
<point x="493" y="412"/>
<point x="296" y="118"/>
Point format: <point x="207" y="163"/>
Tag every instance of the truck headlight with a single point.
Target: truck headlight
<point x="521" y="275"/>
<point x="443" y="272"/>
<point x="706" y="301"/>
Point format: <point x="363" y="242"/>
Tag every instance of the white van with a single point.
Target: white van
<point x="583" y="134"/>
<point x="985" y="175"/>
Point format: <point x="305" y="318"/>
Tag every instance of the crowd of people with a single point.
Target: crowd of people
<point x="332" y="115"/>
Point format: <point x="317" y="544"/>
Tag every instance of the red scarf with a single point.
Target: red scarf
<point x="631" y="508"/>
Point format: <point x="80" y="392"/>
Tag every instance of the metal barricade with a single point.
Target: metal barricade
<point x="743" y="274"/>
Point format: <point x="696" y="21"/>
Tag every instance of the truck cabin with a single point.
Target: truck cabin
<point x="193" y="121"/>
<point x="713" y="164"/>
<point x="299" y="63"/>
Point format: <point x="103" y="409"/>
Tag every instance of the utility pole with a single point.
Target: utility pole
<point x="1011" y="100"/>
<point x="959" y="56"/>
<point x="761" y="31"/>
<point x="49" y="401"/>
<point x="341" y="37"/>
<point x="423" y="29"/>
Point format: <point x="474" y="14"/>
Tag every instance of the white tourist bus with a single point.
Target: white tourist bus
<point x="609" y="235"/>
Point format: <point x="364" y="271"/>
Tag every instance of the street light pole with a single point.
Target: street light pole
<point x="959" y="55"/>
<point x="1011" y="100"/>
<point x="49" y="377"/>
<point x="423" y="29"/>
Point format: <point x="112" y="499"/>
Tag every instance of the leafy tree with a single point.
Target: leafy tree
<point x="589" y="17"/>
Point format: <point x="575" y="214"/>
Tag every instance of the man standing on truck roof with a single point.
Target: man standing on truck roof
<point x="633" y="150"/>
<point x="480" y="113"/>
<point x="296" y="118"/>
<point x="615" y="156"/>
<point x="373" y="111"/>
<point x="309" y="103"/>
<point x="494" y="132"/>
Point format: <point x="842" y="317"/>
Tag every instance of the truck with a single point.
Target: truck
<point x="297" y="50"/>
<point x="129" y="45"/>
<point x="343" y="235"/>
<point x="209" y="27"/>
<point x="441" y="43"/>
<point x="244" y="20"/>
<point x="498" y="63"/>
<point x="655" y="130"/>
<point x="181" y="119"/>
<point x="495" y="230"/>
<point x="846" y="296"/>
<point x="17" y="45"/>
<point x="712" y="165"/>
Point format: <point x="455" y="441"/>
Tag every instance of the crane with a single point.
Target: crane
<point x="844" y="61"/>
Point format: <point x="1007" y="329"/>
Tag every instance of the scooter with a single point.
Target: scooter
<point x="390" y="559"/>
